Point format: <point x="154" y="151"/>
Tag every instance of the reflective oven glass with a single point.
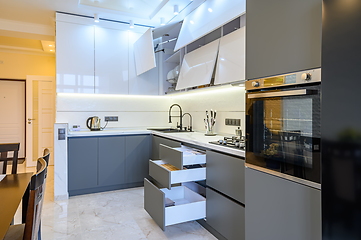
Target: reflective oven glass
<point x="283" y="130"/>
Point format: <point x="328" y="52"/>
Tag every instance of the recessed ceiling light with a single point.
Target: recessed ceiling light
<point x="210" y="10"/>
<point x="162" y="21"/>
<point x="191" y="22"/>
<point x="96" y="18"/>
<point x="176" y="10"/>
<point x="50" y="45"/>
<point x="131" y="24"/>
<point x="51" y="50"/>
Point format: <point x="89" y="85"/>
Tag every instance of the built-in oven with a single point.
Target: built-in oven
<point x="283" y="127"/>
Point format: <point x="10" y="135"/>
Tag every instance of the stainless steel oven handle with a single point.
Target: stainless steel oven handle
<point x="281" y="94"/>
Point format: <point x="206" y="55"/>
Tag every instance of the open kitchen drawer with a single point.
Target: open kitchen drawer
<point x="175" y="165"/>
<point x="168" y="207"/>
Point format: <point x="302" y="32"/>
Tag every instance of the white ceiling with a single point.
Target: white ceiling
<point x="146" y="12"/>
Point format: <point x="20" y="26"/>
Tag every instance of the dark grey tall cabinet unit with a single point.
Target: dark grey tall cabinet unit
<point x="282" y="36"/>
<point x="341" y="130"/>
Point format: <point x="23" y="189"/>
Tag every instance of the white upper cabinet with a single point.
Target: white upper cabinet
<point x="231" y="63"/>
<point x="146" y="83"/>
<point x="144" y="53"/>
<point x="74" y="58"/>
<point x="209" y="16"/>
<point x="198" y="66"/>
<point x="111" y="61"/>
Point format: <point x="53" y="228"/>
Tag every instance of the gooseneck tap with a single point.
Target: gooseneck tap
<point x="180" y="115"/>
<point x="190" y="121"/>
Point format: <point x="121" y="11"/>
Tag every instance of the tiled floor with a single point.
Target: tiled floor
<point x="108" y="215"/>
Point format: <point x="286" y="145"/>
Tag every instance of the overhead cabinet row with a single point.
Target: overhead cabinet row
<point x="94" y="59"/>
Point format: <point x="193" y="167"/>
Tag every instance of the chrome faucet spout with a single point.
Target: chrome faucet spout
<point x="180" y="115"/>
<point x="190" y="121"/>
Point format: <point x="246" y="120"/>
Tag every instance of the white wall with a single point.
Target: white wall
<point x="152" y="111"/>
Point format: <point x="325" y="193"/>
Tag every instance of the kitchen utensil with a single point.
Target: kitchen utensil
<point x="239" y="132"/>
<point x="93" y="123"/>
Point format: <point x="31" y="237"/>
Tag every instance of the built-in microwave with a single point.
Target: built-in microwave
<point x="283" y="127"/>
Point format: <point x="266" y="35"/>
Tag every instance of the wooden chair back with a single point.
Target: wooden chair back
<point x="36" y="199"/>
<point x="46" y="155"/>
<point x="6" y="148"/>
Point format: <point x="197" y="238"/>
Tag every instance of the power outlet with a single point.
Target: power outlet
<point x="111" y="119"/>
<point x="233" y="122"/>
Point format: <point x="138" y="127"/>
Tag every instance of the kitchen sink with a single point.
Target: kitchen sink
<point x="168" y="130"/>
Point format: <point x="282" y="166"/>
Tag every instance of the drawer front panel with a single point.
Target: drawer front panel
<point x="166" y="178"/>
<point x="226" y="174"/>
<point x="159" y="140"/>
<point x="225" y="216"/>
<point x="154" y="203"/>
<point x="188" y="205"/>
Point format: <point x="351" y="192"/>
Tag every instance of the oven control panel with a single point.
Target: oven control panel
<point x="302" y="77"/>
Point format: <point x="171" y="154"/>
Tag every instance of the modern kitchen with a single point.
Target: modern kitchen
<point x="199" y="119"/>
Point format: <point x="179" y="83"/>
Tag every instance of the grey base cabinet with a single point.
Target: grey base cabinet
<point x="225" y="216"/>
<point x="226" y="174"/>
<point x="82" y="163"/>
<point x="111" y="161"/>
<point x="98" y="164"/>
<point x="137" y="153"/>
<point x="280" y="209"/>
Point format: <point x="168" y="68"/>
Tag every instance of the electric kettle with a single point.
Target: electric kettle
<point x="93" y="123"/>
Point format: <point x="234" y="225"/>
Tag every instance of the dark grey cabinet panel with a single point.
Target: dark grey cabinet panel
<point x="226" y="216"/>
<point x="277" y="208"/>
<point x="111" y="167"/>
<point x="226" y="174"/>
<point x="159" y="140"/>
<point x="82" y="163"/>
<point x="282" y="36"/>
<point x="137" y="154"/>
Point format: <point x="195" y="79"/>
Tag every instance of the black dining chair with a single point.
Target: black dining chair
<point x="29" y="230"/>
<point x="46" y="156"/>
<point x="5" y="149"/>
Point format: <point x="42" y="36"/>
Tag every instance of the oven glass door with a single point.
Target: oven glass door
<point x="283" y="131"/>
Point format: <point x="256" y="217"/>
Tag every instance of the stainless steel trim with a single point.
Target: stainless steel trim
<point x="285" y="176"/>
<point x="279" y="94"/>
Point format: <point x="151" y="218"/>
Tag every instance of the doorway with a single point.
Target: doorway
<point x="40" y="116"/>
<point x="12" y="112"/>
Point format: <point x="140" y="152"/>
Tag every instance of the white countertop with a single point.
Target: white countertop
<point x="195" y="138"/>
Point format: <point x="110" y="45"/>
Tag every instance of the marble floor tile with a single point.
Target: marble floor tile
<point x="113" y="215"/>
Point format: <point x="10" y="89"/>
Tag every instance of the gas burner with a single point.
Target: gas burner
<point x="233" y="142"/>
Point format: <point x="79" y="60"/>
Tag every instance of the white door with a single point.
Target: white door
<point x="40" y="117"/>
<point x="12" y="112"/>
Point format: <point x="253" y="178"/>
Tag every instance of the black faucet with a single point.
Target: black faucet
<point x="190" y="121"/>
<point x="180" y="115"/>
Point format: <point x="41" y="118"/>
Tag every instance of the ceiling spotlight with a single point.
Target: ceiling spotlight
<point x="210" y="10"/>
<point x="50" y="45"/>
<point x="176" y="10"/>
<point x="51" y="50"/>
<point x="131" y="24"/>
<point x="96" y="18"/>
<point x="162" y="21"/>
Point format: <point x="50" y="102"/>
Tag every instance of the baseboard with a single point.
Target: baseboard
<point x="104" y="189"/>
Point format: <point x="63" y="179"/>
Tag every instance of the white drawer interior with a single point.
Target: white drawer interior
<point x="192" y="155"/>
<point x="167" y="177"/>
<point x="188" y="206"/>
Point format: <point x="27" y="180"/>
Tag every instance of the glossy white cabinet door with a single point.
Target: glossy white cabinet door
<point x="231" y="64"/>
<point x="146" y="83"/>
<point x="74" y="58"/>
<point x="144" y="53"/>
<point x="111" y="61"/>
<point x="207" y="17"/>
<point x="198" y="65"/>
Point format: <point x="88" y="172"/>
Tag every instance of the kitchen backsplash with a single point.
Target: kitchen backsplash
<point x="152" y="111"/>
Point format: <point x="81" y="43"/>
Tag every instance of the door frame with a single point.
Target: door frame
<point x="29" y="114"/>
